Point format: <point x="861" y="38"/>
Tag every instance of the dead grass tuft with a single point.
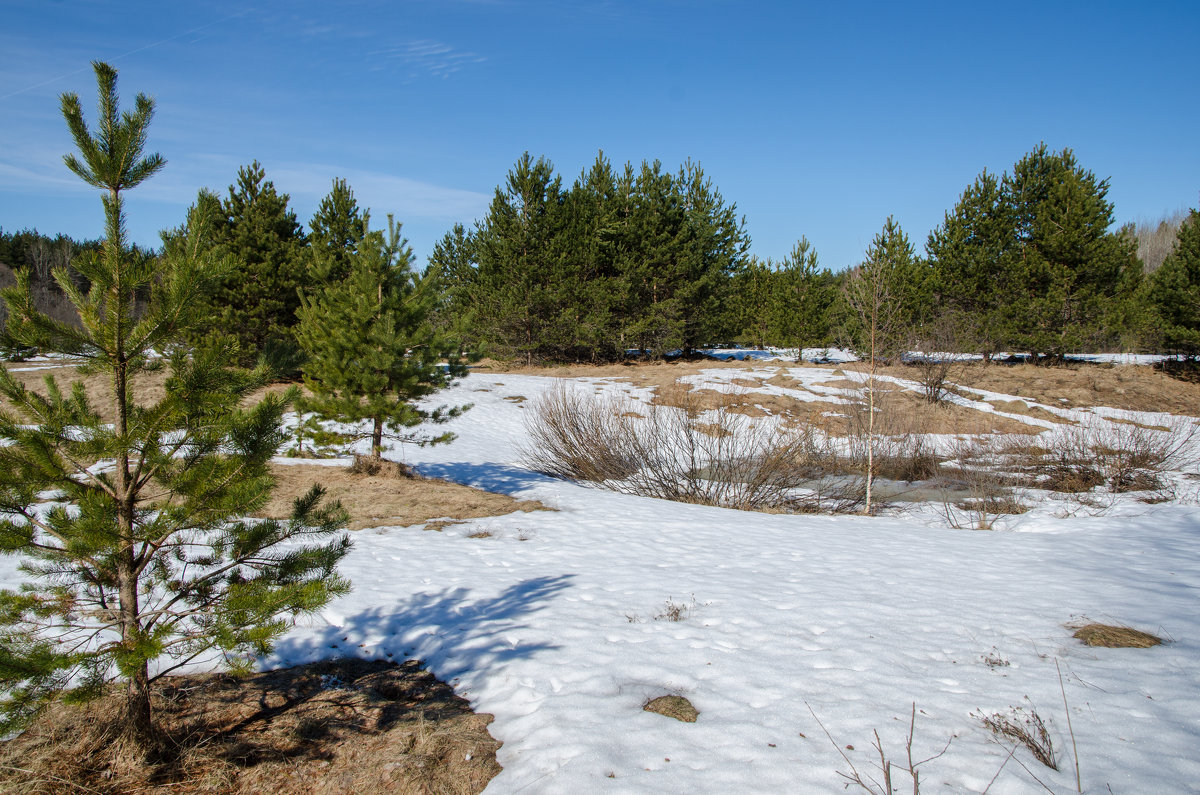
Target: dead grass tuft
<point x="385" y="499"/>
<point x="329" y="727"/>
<point x="1022" y="725"/>
<point x="1115" y="637"/>
<point x="381" y="467"/>
<point x="676" y="707"/>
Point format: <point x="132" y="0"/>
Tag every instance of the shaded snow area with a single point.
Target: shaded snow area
<point x="556" y="624"/>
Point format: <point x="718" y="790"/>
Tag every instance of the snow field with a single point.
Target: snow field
<point x="549" y="624"/>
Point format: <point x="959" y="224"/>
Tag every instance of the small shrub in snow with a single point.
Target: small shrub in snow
<point x="1024" y="726"/>
<point x="687" y="452"/>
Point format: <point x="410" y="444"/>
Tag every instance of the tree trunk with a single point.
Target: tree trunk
<point x="137" y="722"/>
<point x="377" y="439"/>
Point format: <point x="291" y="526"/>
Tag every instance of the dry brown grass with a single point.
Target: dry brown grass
<point x="1024" y="409"/>
<point x="656" y="372"/>
<point x="330" y="727"/>
<point x="146" y="388"/>
<point x="1123" y="387"/>
<point x="906" y="411"/>
<point x="676" y="707"/>
<point x="387" y="499"/>
<point x="1115" y="637"/>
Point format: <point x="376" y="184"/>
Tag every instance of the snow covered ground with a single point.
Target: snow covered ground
<point x="551" y="622"/>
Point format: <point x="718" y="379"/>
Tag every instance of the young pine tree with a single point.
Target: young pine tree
<point x="127" y="514"/>
<point x="372" y="349"/>
<point x="1175" y="291"/>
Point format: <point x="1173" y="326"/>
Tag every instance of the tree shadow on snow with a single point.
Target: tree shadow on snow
<point x="500" y="478"/>
<point x="461" y="633"/>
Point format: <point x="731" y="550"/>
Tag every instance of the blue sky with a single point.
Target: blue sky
<point x="816" y="119"/>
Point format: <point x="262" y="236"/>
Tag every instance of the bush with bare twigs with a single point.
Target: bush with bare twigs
<point x="688" y="452"/>
<point x="1122" y="456"/>
<point x="885" y="765"/>
<point x="1024" y="726"/>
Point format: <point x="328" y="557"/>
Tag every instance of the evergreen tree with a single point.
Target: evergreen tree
<point x="968" y="255"/>
<point x="886" y="294"/>
<point x="1031" y="257"/>
<point x="515" y="293"/>
<point x="256" y="304"/>
<point x="452" y="268"/>
<point x="803" y="299"/>
<point x="140" y="554"/>
<point x="335" y="231"/>
<point x="1064" y="265"/>
<point x="717" y="243"/>
<point x="617" y="261"/>
<point x="1175" y="291"/>
<point x="755" y="291"/>
<point x="372" y="351"/>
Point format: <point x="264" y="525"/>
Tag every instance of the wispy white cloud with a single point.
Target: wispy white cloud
<point x="427" y="57"/>
<point x="382" y="193"/>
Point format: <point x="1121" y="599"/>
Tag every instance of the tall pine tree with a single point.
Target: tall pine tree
<point x="335" y="231"/>
<point x="256" y="303"/>
<point x="141" y="555"/>
<point x="1031" y="260"/>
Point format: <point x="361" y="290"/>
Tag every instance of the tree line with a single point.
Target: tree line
<point x="642" y="260"/>
<point x="647" y="261"/>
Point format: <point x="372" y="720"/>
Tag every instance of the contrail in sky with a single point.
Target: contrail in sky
<point x="243" y="12"/>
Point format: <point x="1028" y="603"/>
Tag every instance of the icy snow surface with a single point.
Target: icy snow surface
<point x="550" y="625"/>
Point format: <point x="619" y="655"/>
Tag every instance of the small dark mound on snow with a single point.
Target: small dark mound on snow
<point x="1115" y="637"/>
<point x="676" y="707"/>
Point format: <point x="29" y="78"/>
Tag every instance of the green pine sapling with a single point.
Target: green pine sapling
<point x="130" y="521"/>
<point x="373" y="350"/>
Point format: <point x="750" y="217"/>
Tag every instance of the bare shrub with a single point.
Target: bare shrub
<point x="885" y="766"/>
<point x="1022" y="725"/>
<point x="1132" y="456"/>
<point x="933" y="356"/>
<point x="693" y="450"/>
<point x="676" y="611"/>
<point x="578" y="436"/>
<point x="974" y="470"/>
<point x="1124" y="456"/>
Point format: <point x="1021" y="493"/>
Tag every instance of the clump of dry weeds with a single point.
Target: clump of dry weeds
<point x="1024" y="726"/>
<point x="1115" y="637"/>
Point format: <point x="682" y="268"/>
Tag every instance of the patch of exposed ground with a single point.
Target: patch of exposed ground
<point x="385" y="499"/>
<point x="902" y="411"/>
<point x="1021" y="407"/>
<point x="146" y="388"/>
<point x="328" y="727"/>
<point x="642" y="374"/>
<point x="1130" y="387"/>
